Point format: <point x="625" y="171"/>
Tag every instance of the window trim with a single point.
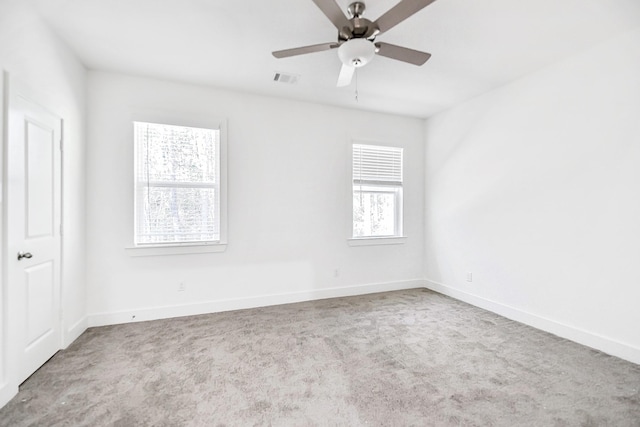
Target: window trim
<point x="186" y="120"/>
<point x="176" y="249"/>
<point x="376" y="241"/>
<point x="400" y="238"/>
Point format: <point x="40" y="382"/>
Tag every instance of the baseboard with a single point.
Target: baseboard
<point x="7" y="392"/>
<point x="599" y="342"/>
<point x="154" y="313"/>
<point x="75" y="331"/>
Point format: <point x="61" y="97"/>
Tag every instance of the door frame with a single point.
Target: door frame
<point x="10" y="337"/>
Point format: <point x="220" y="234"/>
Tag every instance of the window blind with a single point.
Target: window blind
<point x="377" y="165"/>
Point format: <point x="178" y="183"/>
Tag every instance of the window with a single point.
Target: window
<point x="178" y="191"/>
<point x="377" y="191"/>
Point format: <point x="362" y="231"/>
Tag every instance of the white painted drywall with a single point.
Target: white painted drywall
<point x="289" y="204"/>
<point x="535" y="189"/>
<point x="31" y="53"/>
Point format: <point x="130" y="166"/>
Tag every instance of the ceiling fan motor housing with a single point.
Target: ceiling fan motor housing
<point x="356" y="52"/>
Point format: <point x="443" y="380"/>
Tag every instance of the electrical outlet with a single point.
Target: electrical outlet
<point x="182" y="287"/>
<point x="336" y="272"/>
<point x="469" y="277"/>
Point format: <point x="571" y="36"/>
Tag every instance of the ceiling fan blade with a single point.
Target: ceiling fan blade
<point x="346" y="74"/>
<point x="402" y="53"/>
<point x="332" y="11"/>
<point x="399" y="13"/>
<point x="305" y="49"/>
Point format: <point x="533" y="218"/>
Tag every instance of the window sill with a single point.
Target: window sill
<point x="137" y="251"/>
<point x="372" y="241"/>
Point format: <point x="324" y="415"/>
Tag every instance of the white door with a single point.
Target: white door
<point x="33" y="231"/>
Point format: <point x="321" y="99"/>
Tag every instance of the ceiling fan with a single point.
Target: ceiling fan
<point x="356" y="36"/>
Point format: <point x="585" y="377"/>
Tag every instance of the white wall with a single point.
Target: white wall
<point x="31" y="53"/>
<point x="535" y="189"/>
<point x="289" y="204"/>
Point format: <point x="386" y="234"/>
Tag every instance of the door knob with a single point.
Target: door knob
<point x="24" y="255"/>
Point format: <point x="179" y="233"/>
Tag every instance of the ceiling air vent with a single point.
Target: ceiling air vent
<point x="285" y="78"/>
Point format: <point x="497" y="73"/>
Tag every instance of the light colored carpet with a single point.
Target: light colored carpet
<point x="395" y="359"/>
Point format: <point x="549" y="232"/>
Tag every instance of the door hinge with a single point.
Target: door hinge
<point x="61" y="229"/>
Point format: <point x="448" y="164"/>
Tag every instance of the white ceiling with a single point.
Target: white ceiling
<point x="477" y="45"/>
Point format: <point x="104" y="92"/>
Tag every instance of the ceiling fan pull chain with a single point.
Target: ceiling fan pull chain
<point x="356" y="85"/>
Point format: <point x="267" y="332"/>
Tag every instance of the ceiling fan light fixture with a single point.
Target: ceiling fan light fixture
<point x="356" y="52"/>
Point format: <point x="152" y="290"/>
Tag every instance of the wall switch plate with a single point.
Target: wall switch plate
<point x="469" y="277"/>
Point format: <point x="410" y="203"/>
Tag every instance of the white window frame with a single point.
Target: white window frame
<point x="221" y="160"/>
<point x="395" y="189"/>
